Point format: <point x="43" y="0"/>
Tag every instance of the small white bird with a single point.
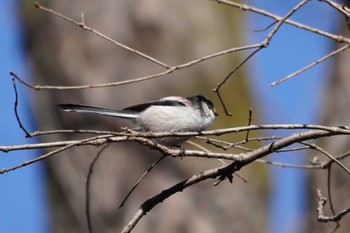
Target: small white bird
<point x="170" y="114"/>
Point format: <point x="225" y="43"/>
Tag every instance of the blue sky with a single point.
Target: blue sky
<point x="23" y="195"/>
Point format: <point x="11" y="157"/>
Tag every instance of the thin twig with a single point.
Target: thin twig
<point x="169" y="69"/>
<point x="330" y="198"/>
<point x="265" y="28"/>
<point x="74" y="131"/>
<point x="87" y="187"/>
<point x="282" y="20"/>
<point x="331" y="157"/>
<point x="135" y="80"/>
<point x="28" y="135"/>
<point x="321" y="217"/>
<point x="49" y="154"/>
<point x="331" y="54"/>
<point x="244" y="7"/>
<point x="288" y="165"/>
<point x="339" y="7"/>
<point x="263" y="44"/>
<point x="85" y="27"/>
<point x="218" y="87"/>
<point x="88" y="86"/>
<point x="139" y="181"/>
<point x="249" y="123"/>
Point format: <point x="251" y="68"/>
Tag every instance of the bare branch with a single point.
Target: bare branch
<point x="28" y="135"/>
<point x="331" y="54"/>
<point x="318" y="148"/>
<point x="218" y="87"/>
<point x="222" y="172"/>
<point x="339" y="7"/>
<point x="249" y="123"/>
<point x="274" y="144"/>
<point x="244" y="7"/>
<point x="179" y="187"/>
<point x="134" y="80"/>
<point x="321" y="217"/>
<point x="141" y="178"/>
<point x="288" y="165"/>
<point x="329" y="192"/>
<point x="135" y="136"/>
<point x="87" y="188"/>
<point x="265" y="28"/>
<point x="85" y="27"/>
<point x="263" y="44"/>
<point x="282" y="20"/>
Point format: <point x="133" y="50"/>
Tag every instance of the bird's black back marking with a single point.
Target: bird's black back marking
<point x="144" y="106"/>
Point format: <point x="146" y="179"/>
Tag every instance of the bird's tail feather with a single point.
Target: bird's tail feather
<point x="97" y="110"/>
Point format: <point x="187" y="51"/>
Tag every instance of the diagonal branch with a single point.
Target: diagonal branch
<point x="244" y="7"/>
<point x="263" y="44"/>
<point x="94" y="31"/>
<point x="322" y="59"/>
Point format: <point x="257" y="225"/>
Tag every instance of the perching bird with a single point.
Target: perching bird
<point x="170" y="114"/>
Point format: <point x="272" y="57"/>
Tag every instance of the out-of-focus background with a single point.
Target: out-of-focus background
<point x="44" y="49"/>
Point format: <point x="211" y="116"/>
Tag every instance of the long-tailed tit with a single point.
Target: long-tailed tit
<point x="170" y="114"/>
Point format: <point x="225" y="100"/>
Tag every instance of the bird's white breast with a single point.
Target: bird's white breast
<point x="173" y="119"/>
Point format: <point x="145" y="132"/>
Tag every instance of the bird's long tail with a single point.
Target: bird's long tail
<point x="97" y="110"/>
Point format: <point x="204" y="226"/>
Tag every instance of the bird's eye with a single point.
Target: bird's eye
<point x="211" y="108"/>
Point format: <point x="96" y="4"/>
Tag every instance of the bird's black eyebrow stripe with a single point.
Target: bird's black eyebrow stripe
<point x="142" y="107"/>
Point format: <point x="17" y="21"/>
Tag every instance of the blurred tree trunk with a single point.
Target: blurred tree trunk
<point x="173" y="32"/>
<point x="336" y="111"/>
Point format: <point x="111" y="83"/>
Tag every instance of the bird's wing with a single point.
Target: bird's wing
<point x="144" y="106"/>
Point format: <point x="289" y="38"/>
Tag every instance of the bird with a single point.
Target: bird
<point x="172" y="114"/>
